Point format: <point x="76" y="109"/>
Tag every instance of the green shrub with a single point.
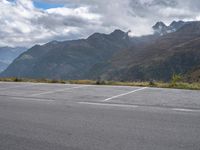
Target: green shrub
<point x="17" y="79"/>
<point x="175" y="78"/>
<point x="100" y="82"/>
<point x="152" y="83"/>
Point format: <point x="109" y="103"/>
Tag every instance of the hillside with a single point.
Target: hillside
<point x="193" y="75"/>
<point x="176" y="52"/>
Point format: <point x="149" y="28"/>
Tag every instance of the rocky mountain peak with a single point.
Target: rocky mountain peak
<point x="116" y="34"/>
<point x="162" y="29"/>
<point x="159" y="25"/>
<point x="119" y="34"/>
<point x="177" y="24"/>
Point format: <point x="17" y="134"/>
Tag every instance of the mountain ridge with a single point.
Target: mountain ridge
<point x="66" y="59"/>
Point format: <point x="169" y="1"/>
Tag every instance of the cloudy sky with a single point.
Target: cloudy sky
<point x="29" y="22"/>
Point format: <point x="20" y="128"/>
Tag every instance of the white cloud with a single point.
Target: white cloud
<point x="22" y="24"/>
<point x="82" y="12"/>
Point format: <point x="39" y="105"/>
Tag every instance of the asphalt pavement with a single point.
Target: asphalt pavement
<point x="40" y="116"/>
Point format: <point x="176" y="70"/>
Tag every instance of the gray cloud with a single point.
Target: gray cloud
<point x="21" y="24"/>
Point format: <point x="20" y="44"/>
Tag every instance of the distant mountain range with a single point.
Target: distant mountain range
<point x="8" y="54"/>
<point x="172" y="49"/>
<point x="3" y="66"/>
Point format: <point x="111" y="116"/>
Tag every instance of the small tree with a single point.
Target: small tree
<point x="175" y="78"/>
<point x="152" y="83"/>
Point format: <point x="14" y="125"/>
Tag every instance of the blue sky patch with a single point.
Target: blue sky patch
<point x="44" y="5"/>
<point x="11" y="1"/>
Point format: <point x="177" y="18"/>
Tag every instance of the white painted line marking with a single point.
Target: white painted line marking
<point x="33" y="99"/>
<point x="113" y="97"/>
<point x="108" y="104"/>
<point x="185" y="110"/>
<point x="50" y="92"/>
